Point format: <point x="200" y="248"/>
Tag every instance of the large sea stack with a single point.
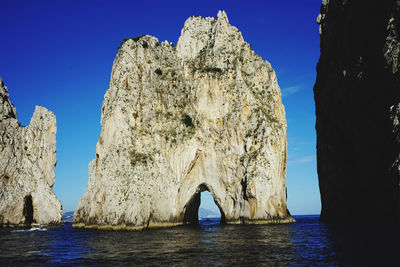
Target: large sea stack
<point x="357" y="96"/>
<point x="204" y="115"/>
<point x="27" y="162"/>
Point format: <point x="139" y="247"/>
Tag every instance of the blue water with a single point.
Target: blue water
<point x="306" y="242"/>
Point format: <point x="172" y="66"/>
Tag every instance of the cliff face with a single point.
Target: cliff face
<point x="27" y="161"/>
<point x="357" y="99"/>
<point x="206" y="115"/>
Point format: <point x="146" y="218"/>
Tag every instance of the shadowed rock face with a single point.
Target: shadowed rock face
<point x="357" y="98"/>
<point x="27" y="162"/>
<point x="206" y="115"/>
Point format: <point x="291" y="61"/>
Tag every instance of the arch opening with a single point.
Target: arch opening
<point x="28" y="210"/>
<point x="191" y="215"/>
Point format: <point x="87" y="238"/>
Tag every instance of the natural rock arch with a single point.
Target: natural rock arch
<point x="206" y="114"/>
<point x="191" y="208"/>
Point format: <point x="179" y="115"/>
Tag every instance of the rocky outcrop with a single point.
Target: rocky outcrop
<point x="27" y="162"/>
<point x="204" y="115"/>
<point x="357" y="95"/>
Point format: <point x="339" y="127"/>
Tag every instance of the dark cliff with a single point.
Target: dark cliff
<point x="357" y="108"/>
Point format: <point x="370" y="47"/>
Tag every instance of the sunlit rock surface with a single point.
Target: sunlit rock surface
<point x="357" y="95"/>
<point x="204" y="115"/>
<point x="27" y="162"/>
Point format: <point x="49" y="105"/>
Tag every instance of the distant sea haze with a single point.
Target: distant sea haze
<point x="205" y="213"/>
<point x="68" y="216"/>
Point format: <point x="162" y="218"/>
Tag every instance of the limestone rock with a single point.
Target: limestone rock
<point x="357" y="96"/>
<point x="206" y="115"/>
<point x="27" y="161"/>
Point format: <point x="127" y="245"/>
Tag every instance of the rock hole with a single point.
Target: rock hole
<point x="158" y="72"/>
<point x="28" y="210"/>
<point x="187" y="120"/>
<point x="7" y="178"/>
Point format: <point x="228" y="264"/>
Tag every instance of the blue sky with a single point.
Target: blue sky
<point x="59" y="54"/>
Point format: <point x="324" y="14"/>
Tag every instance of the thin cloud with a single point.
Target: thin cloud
<point x="290" y="90"/>
<point x="301" y="160"/>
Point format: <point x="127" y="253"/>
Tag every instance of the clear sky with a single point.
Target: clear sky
<point x="59" y="54"/>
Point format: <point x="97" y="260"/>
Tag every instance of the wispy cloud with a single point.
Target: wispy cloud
<point x="290" y="90"/>
<point x="301" y="160"/>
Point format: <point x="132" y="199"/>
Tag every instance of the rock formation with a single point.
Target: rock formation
<point x="357" y="96"/>
<point x="27" y="161"/>
<point x="204" y="115"/>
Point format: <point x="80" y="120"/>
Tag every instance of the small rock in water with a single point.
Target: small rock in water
<point x="27" y="163"/>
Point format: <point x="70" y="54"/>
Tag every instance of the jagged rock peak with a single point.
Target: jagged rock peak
<point x="206" y="115"/>
<point x="27" y="163"/>
<point x="7" y="109"/>
<point x="200" y="33"/>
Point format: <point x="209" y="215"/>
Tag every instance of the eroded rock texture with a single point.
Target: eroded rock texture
<point x="27" y="162"/>
<point x="357" y="107"/>
<point x="206" y="115"/>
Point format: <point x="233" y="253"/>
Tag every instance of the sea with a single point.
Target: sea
<point x="308" y="242"/>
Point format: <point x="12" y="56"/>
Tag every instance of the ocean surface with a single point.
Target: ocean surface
<point x="308" y="242"/>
